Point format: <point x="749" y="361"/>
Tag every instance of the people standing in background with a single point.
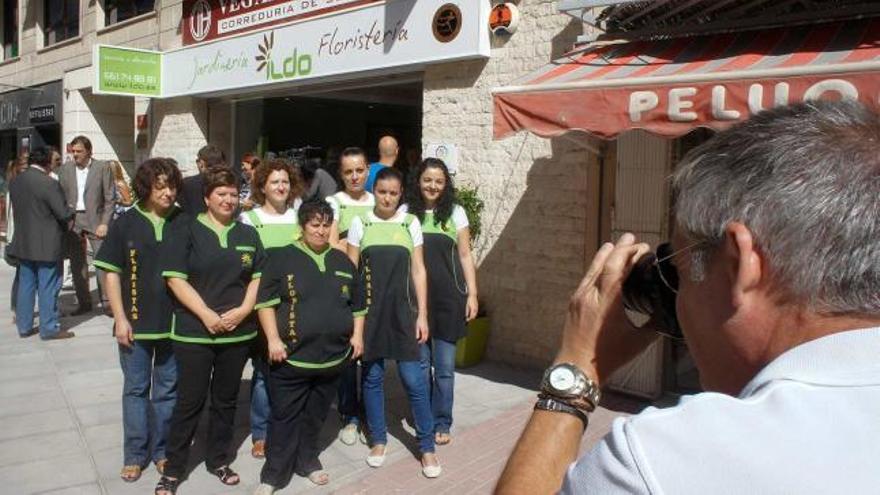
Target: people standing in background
<point x="142" y="314"/>
<point x="318" y="183"/>
<point x="452" y="282"/>
<point x="249" y="163"/>
<point x="277" y="188"/>
<point x="386" y="245"/>
<point x="388" y="151"/>
<point x="54" y="162"/>
<point x="42" y="217"/>
<point x="320" y="286"/>
<point x="123" y="199"/>
<point x="347" y="204"/>
<point x="191" y="197"/>
<point x="13" y="168"/>
<point x="88" y="187"/>
<point x="212" y="265"/>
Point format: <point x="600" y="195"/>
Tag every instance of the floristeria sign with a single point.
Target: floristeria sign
<point x="205" y="20"/>
<point x="377" y="36"/>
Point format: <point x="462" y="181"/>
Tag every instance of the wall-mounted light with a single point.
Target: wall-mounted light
<point x="504" y="18"/>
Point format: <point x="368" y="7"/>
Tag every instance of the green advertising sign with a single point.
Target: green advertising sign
<point x="127" y="71"/>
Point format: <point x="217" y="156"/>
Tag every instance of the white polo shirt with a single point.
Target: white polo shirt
<point x="808" y="423"/>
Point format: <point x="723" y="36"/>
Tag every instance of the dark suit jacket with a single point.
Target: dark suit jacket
<point x="192" y="196"/>
<point x="98" y="193"/>
<point x="40" y="215"/>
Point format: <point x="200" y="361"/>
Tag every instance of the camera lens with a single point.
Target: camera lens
<point x="650" y="291"/>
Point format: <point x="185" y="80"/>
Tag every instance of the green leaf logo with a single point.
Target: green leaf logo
<point x="265" y="50"/>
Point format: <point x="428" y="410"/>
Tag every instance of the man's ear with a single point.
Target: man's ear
<point x="744" y="263"/>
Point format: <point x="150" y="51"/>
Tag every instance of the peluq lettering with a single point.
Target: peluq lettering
<point x="295" y="65"/>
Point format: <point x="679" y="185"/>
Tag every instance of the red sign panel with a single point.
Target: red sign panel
<point x="671" y="109"/>
<point x="205" y="20"/>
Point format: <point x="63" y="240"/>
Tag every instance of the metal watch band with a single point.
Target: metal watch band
<point x="589" y="396"/>
<point x="551" y="404"/>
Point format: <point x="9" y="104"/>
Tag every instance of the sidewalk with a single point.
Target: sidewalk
<point x="60" y="408"/>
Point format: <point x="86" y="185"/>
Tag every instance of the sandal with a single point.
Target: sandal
<point x="130" y="473"/>
<point x="319" y="477"/>
<point x="160" y="465"/>
<point x="166" y="485"/>
<point x="226" y="475"/>
<point x="442" y="438"/>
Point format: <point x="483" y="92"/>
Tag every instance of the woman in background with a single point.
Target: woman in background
<point x="249" y="163"/>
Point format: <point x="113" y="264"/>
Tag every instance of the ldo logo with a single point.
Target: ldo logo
<point x="200" y="20"/>
<point x="295" y="65"/>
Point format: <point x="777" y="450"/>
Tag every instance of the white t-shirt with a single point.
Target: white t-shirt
<point x="356" y="231"/>
<point x="459" y="216"/>
<point x="287" y="218"/>
<point x="342" y="198"/>
<point x="81" y="175"/>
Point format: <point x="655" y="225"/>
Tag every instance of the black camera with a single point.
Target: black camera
<point x="651" y="288"/>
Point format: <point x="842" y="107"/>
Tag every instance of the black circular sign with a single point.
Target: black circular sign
<point x="447" y="23"/>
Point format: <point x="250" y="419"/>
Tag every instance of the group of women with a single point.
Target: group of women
<point x="315" y="286"/>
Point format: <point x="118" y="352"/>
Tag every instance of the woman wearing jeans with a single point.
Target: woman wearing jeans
<point x="142" y="314"/>
<point x="452" y="282"/>
<point x="387" y="247"/>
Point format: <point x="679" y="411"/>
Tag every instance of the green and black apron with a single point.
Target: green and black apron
<point x="348" y="210"/>
<point x="316" y="297"/>
<point x="392" y="308"/>
<point x="219" y="263"/>
<point x="274" y="235"/>
<point x="447" y="290"/>
<point x="131" y="249"/>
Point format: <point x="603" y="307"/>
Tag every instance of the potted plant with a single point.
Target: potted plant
<point x="472" y="347"/>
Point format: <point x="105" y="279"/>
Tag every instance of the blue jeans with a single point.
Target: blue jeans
<point x="38" y="279"/>
<point x="148" y="396"/>
<point x="441" y="354"/>
<point x="416" y="387"/>
<point x="347" y="395"/>
<point x="259" y="401"/>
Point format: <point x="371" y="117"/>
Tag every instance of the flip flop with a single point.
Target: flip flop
<point x="130" y="473"/>
<point x="319" y="477"/>
<point x="442" y="438"/>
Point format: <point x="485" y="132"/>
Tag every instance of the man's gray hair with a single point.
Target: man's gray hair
<point x="805" y="180"/>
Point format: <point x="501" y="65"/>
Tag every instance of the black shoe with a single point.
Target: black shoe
<point x="63" y="334"/>
<point x="81" y="310"/>
<point x="29" y="333"/>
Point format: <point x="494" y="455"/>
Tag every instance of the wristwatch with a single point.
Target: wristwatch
<point x="547" y="403"/>
<point x="568" y="383"/>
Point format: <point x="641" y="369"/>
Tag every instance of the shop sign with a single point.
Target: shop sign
<point x="127" y="71"/>
<point x="383" y="35"/>
<point x="205" y="20"/>
<point x="41" y="114"/>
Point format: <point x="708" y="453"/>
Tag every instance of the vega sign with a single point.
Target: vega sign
<point x="388" y="34"/>
<point x="205" y="20"/>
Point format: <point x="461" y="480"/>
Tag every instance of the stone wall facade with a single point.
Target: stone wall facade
<point x="540" y="221"/>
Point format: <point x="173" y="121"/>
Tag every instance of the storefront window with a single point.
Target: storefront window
<point x="61" y="20"/>
<point x="9" y="15"/>
<point x="121" y="10"/>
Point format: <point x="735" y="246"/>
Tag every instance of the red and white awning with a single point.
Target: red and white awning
<point x="668" y="87"/>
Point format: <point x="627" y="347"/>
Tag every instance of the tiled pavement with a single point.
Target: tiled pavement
<point x="61" y="432"/>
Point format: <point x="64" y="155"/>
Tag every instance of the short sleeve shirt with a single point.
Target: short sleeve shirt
<point x="131" y="249"/>
<point x="345" y="208"/>
<point x="356" y="231"/>
<point x="315" y="296"/>
<point x="274" y="230"/>
<point x="219" y="263"/>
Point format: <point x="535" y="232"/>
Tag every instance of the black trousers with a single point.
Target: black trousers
<point x="200" y="368"/>
<point x="300" y="401"/>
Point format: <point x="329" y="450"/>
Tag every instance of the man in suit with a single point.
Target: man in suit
<point x="192" y="195"/>
<point x="88" y="189"/>
<point x="41" y="217"/>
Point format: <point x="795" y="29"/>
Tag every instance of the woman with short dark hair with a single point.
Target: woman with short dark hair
<point x="212" y="266"/>
<point x="311" y="308"/>
<point x="142" y="312"/>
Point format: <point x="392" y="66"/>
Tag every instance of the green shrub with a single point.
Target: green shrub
<point x="469" y="199"/>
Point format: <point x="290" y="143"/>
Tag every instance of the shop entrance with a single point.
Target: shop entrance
<point x="318" y="125"/>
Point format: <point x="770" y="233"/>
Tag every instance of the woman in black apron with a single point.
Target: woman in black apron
<point x="386" y="244"/>
<point x="452" y="282"/>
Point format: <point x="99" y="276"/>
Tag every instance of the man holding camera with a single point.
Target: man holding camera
<point x="775" y="274"/>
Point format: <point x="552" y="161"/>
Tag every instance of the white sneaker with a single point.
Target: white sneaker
<point x="349" y="434"/>
<point x="264" y="489"/>
<point x="377" y="460"/>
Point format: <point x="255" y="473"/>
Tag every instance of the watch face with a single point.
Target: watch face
<point x="562" y="379"/>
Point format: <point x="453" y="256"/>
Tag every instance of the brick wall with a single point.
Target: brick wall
<point x="536" y="223"/>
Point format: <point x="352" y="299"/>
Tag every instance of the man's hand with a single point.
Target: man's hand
<point x="597" y="336"/>
<point x="277" y="351"/>
<point x="422" y="329"/>
<point x="123" y="332"/>
<point x="233" y="317"/>
<point x="101" y="231"/>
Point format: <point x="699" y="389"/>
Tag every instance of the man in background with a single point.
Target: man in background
<point x="192" y="197"/>
<point x="88" y="190"/>
<point x="388" y="151"/>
